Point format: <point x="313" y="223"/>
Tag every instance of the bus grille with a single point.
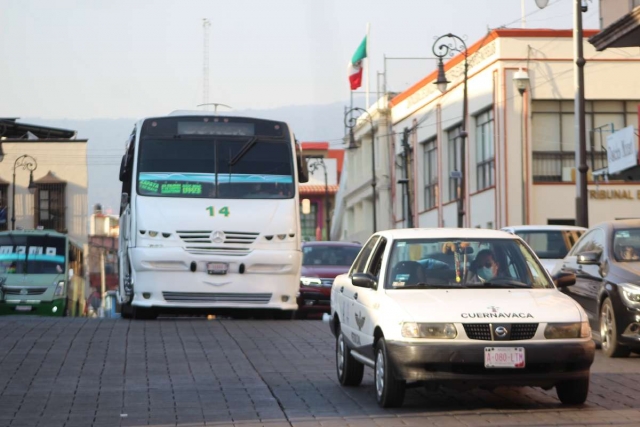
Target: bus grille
<point x="211" y="250"/>
<point x="30" y="291"/>
<point x="230" y="237"/>
<point x="216" y="297"/>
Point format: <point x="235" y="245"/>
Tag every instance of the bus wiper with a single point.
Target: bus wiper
<point x="245" y="148"/>
<point x="425" y="286"/>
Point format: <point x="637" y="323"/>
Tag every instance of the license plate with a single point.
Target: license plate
<point x="504" y="357"/>
<point x="217" y="267"/>
<point x="23" y="308"/>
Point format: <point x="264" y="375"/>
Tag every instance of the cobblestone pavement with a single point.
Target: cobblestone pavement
<point x="194" y="372"/>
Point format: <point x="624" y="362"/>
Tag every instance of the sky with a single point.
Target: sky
<point x="78" y="59"/>
<point x="97" y="66"/>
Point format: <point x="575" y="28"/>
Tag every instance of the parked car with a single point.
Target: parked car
<point x="606" y="262"/>
<point x="551" y="243"/>
<point x="321" y="263"/>
<point x="488" y="315"/>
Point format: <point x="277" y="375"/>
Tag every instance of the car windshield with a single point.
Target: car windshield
<point x="329" y="255"/>
<point x="32" y="255"/>
<point x="469" y="263"/>
<point x="626" y="245"/>
<point x="547" y="244"/>
<point x="204" y="168"/>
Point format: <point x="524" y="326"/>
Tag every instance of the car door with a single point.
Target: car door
<point x="345" y="290"/>
<point x="365" y="301"/>
<point x="588" y="278"/>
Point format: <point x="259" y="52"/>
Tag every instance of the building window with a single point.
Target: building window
<point x="485" y="152"/>
<point x="309" y="223"/>
<point x="50" y="207"/>
<point x="454" y="150"/>
<point x="553" y="135"/>
<point x="4" y="207"/>
<point x="430" y="173"/>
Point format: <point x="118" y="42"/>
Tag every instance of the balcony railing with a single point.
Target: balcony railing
<point x="555" y="166"/>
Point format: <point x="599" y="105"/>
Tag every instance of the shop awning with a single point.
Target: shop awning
<point x="311" y="190"/>
<point x="625" y="32"/>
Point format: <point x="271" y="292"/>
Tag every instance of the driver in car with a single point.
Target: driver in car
<point x="483" y="268"/>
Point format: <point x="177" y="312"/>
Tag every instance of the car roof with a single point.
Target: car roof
<point x="331" y="243"/>
<point x="620" y="224"/>
<point x="445" y="233"/>
<point x="543" y="227"/>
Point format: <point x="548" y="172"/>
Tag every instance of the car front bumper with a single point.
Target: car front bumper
<point x="546" y="364"/>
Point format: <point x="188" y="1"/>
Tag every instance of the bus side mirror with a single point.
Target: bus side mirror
<point x="306" y="206"/>
<point x="123" y="168"/>
<point x="303" y="169"/>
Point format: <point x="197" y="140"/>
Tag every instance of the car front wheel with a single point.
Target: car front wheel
<point x="573" y="392"/>
<point x="389" y="390"/>
<point x="609" y="332"/>
<point x="350" y="371"/>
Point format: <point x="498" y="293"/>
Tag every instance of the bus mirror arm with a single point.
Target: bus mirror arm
<point x="124" y="199"/>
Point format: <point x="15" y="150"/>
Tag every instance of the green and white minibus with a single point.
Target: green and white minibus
<point x="41" y="273"/>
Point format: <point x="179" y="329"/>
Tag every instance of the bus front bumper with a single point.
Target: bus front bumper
<point x="171" y="277"/>
<point x="33" y="307"/>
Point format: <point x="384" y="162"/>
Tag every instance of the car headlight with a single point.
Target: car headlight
<point x="429" y="330"/>
<point x="555" y="331"/>
<point x="59" y="289"/>
<point x="310" y="281"/>
<point x="630" y="294"/>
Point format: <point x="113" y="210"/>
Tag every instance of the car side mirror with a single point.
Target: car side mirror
<point x="564" y="279"/>
<point x="364" y="280"/>
<point x="589" y="257"/>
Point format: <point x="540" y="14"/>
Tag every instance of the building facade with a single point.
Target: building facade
<point x="325" y="166"/>
<point x="50" y="169"/>
<point x="520" y="149"/>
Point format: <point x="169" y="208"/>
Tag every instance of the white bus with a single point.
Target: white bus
<point x="210" y="216"/>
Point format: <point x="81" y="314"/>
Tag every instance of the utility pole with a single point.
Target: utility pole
<point x="205" y="63"/>
<point x="103" y="283"/>
<point x="582" y="203"/>
<point x="407" y="157"/>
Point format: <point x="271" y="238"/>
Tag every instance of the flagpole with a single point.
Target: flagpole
<point x="366" y="76"/>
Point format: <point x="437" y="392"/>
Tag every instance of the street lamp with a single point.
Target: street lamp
<point x="582" y="203"/>
<point x="25" y="162"/>
<point x="350" y="122"/>
<point x="313" y="166"/>
<point x="448" y="48"/>
<point x="521" y="81"/>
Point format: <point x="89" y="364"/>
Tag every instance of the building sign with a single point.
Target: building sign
<point x="622" y="151"/>
<point x="614" y="194"/>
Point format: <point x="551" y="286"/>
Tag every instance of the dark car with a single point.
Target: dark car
<point x="606" y="262"/>
<point x="321" y="263"/>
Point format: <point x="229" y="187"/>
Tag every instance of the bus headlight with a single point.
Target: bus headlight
<point x="59" y="289"/>
<point x="429" y="330"/>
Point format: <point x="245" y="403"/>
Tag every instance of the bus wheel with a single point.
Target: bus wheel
<point x="140" y="313"/>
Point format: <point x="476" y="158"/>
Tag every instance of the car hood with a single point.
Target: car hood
<point x="324" y="271"/>
<point x="549" y="263"/>
<point x="486" y="305"/>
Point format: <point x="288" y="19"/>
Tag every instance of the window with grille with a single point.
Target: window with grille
<point x="485" y="154"/>
<point x="50" y="206"/>
<point x="4" y="207"/>
<point x="309" y="223"/>
<point x="454" y="160"/>
<point x="430" y="173"/>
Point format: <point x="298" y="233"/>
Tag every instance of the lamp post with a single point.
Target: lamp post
<point x="25" y="162"/>
<point x="350" y="122"/>
<point x="313" y="166"/>
<point x="521" y="81"/>
<point x="442" y="48"/>
<point x="582" y="203"/>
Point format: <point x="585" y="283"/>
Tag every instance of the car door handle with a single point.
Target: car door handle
<point x="341" y="288"/>
<point x="355" y="296"/>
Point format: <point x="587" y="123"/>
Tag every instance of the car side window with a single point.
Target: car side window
<point x="361" y="260"/>
<point x="584" y="242"/>
<point x="376" y="261"/>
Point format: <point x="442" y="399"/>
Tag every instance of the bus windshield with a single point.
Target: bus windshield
<point x="203" y="167"/>
<point x="32" y="254"/>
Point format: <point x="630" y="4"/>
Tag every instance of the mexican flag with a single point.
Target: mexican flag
<point x="355" y="66"/>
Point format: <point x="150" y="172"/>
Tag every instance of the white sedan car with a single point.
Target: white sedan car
<point x="459" y="308"/>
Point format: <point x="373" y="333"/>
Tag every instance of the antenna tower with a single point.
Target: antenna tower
<point x="205" y="63"/>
